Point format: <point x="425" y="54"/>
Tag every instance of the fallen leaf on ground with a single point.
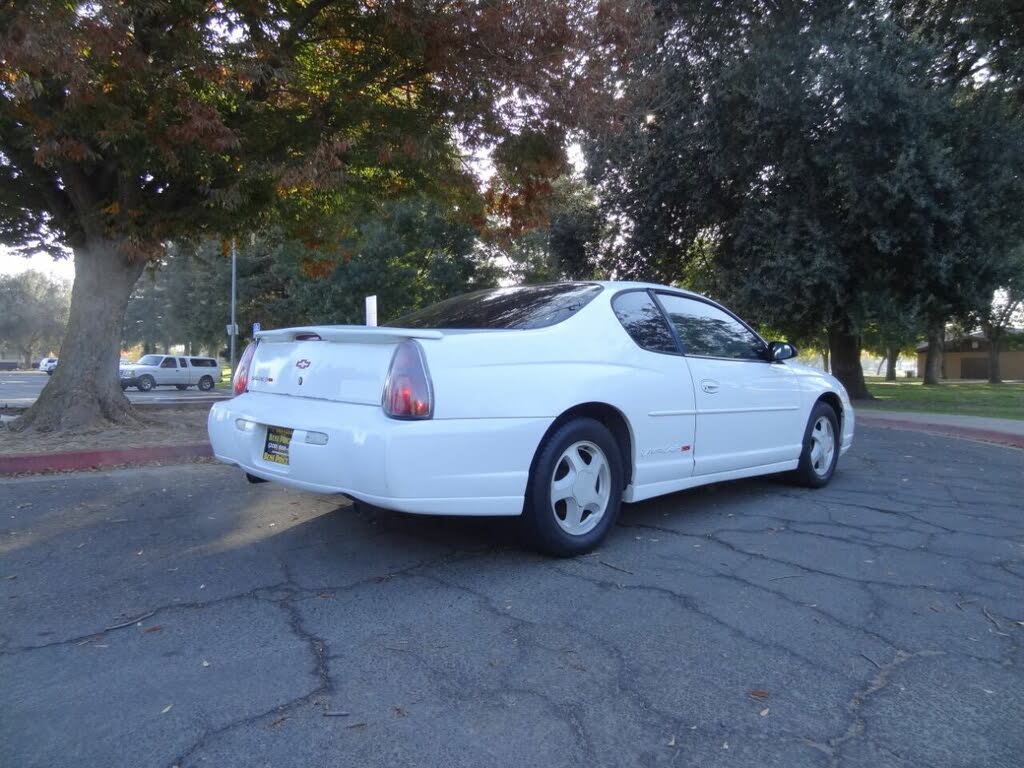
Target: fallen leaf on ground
<point x="672" y="741"/>
<point x="279" y="720"/>
<point x="764" y="712"/>
<point x="399" y="712"/>
<point x="154" y="628"/>
<point x="356" y="726"/>
<point x="758" y="693"/>
<point x="206" y="663"/>
<point x="166" y="709"/>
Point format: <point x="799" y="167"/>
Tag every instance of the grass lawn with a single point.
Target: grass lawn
<point x="1001" y="401"/>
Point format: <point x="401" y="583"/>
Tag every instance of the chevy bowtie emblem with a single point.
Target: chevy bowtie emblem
<point x="302" y="364"/>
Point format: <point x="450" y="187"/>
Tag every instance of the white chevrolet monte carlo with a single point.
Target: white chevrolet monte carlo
<point x="553" y="402"/>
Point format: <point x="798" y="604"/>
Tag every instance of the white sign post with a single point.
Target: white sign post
<point x="371" y="310"/>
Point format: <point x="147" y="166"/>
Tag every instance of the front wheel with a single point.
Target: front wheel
<point x="821" y="448"/>
<point x="206" y="383"/>
<point x="146" y="383"/>
<point x="575" y="490"/>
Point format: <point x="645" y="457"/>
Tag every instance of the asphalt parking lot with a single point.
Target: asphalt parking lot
<point x="19" y="389"/>
<point x="179" y="616"/>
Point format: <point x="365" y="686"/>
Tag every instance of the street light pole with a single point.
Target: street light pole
<point x="234" y="280"/>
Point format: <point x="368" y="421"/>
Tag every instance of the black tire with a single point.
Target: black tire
<point x="124" y="387"/>
<point x="181" y="387"/>
<point x="206" y="384"/>
<point x="146" y="383"/>
<point x="807" y="474"/>
<point x="540" y="525"/>
<point x="49" y="373"/>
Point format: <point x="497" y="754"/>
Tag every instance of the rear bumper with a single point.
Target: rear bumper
<point x="438" y="466"/>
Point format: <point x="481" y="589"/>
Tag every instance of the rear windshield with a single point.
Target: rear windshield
<point x="202" y="362"/>
<point x="522" y="307"/>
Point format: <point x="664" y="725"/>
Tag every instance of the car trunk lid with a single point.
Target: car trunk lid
<point x="338" y="363"/>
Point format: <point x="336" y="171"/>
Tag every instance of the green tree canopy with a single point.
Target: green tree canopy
<point x="128" y="124"/>
<point x="811" y="159"/>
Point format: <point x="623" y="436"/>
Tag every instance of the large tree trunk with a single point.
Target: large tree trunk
<point x="845" y="349"/>
<point x="85" y="388"/>
<point x="995" y="376"/>
<point x="933" y="359"/>
<point x="892" y="355"/>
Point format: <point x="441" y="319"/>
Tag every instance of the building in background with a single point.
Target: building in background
<point x="966" y="357"/>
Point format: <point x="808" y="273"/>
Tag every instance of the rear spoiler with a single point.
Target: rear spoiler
<point x="355" y="334"/>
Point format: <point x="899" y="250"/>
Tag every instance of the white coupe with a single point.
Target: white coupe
<point x="553" y="402"/>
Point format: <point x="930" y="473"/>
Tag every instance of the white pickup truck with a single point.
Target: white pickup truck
<point x="171" y="371"/>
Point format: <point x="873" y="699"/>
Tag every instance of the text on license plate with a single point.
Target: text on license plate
<point x="276" y="447"/>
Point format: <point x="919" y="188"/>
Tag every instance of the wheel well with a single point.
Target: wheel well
<point x="608" y="415"/>
<point x="837" y="405"/>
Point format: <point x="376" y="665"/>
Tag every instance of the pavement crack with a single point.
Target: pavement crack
<point x="857" y="727"/>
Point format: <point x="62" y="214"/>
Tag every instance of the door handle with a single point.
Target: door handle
<point x="709" y="385"/>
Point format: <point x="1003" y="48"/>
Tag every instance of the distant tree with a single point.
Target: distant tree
<point x="999" y="317"/>
<point x="33" y="313"/>
<point x="411" y="252"/>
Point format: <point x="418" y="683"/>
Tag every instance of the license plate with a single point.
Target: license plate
<point x="276" y="447"/>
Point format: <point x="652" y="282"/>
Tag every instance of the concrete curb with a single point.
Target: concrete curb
<point x="32" y="463"/>
<point x="948" y="430"/>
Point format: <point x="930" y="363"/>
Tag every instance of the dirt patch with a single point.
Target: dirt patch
<point x="163" y="427"/>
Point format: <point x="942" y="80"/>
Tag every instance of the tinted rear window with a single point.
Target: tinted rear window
<point x="522" y="307"/>
<point x="202" y="362"/>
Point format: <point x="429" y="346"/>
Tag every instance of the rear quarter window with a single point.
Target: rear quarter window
<point x="644" y="322"/>
<point x="521" y="307"/>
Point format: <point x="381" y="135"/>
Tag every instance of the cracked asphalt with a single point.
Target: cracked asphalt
<point x="877" y="622"/>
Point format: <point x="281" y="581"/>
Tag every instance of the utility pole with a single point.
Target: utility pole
<point x="234" y="281"/>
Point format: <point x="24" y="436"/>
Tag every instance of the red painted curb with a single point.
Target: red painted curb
<point x="970" y="433"/>
<point x="62" y="462"/>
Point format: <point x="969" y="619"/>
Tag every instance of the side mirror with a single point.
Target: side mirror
<point x="781" y="350"/>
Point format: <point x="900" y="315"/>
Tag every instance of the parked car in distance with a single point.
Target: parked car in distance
<point x="181" y="371"/>
<point x="552" y="402"/>
<point x="48" y="365"/>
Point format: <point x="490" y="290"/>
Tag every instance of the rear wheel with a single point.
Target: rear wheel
<point x="206" y="383"/>
<point x="575" y="489"/>
<point x="821" y="448"/>
<point x="146" y="383"/>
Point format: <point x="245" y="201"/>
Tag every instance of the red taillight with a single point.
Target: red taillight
<point x="241" y="380"/>
<point x="407" y="391"/>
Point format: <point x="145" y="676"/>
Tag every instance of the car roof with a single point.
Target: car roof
<point x="631" y="285"/>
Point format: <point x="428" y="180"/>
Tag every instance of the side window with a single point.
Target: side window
<point x="707" y="331"/>
<point x="644" y="322"/>
<point x="168" y="363"/>
<point x="183" y="362"/>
